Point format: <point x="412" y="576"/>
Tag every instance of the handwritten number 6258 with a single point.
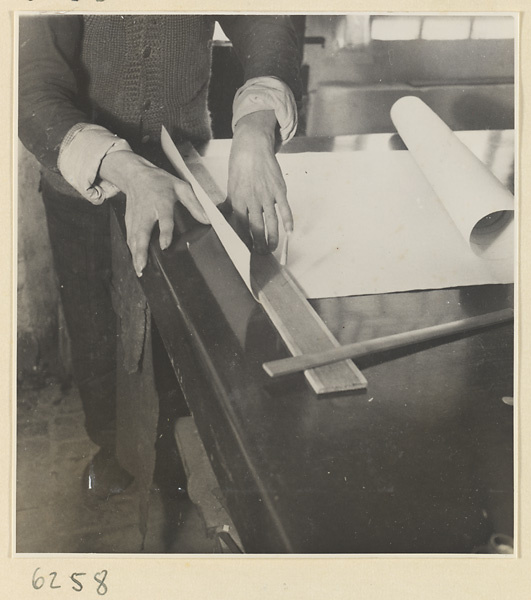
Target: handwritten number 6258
<point x="38" y="581"/>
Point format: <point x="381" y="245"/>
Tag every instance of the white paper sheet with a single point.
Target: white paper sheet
<point x="368" y="223"/>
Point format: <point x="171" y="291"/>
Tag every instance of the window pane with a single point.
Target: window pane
<point x="446" y="28"/>
<point x="395" y="28"/>
<point x="493" y="28"/>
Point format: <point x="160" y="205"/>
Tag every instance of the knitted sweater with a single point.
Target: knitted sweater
<point x="134" y="73"/>
<point x="148" y="70"/>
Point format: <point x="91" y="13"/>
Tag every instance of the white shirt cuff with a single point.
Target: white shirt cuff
<point x="82" y="150"/>
<point x="267" y="93"/>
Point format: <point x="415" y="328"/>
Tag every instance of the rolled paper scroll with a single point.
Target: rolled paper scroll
<point x="479" y="205"/>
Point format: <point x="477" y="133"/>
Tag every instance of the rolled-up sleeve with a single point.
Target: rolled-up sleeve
<point x="267" y="93"/>
<point x="267" y="48"/>
<point x="51" y="123"/>
<point x="80" y="156"/>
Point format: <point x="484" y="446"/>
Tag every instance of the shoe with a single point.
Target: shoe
<point x="105" y="477"/>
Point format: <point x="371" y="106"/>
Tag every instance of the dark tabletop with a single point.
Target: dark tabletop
<point x="421" y="461"/>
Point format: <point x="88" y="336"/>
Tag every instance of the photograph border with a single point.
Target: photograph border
<point x="289" y="576"/>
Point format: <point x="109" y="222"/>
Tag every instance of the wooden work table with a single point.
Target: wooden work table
<point x="420" y="462"/>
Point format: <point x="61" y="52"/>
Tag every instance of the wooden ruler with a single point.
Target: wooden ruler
<point x="298" y="324"/>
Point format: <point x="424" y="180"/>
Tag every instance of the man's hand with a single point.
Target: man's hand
<point x="151" y="194"/>
<point x="255" y="180"/>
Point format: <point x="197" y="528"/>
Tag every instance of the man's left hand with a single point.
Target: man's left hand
<point x="255" y="183"/>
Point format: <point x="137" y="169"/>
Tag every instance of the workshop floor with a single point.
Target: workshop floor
<point x="54" y="515"/>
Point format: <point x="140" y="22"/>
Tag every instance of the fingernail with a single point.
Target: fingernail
<point x="139" y="269"/>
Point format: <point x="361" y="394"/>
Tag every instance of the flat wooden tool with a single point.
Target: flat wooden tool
<point x="286" y="366"/>
<point x="300" y="327"/>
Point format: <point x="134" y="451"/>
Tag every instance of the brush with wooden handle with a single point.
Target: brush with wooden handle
<point x="286" y="366"/>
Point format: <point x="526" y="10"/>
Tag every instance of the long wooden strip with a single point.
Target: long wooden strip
<point x="287" y="366"/>
<point x="300" y="327"/>
<point x="235" y="248"/>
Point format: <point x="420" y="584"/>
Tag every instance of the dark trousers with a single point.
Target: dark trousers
<point x="81" y="246"/>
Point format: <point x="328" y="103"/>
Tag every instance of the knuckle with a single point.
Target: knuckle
<point x="269" y="208"/>
<point x="271" y="221"/>
<point x="183" y="186"/>
<point x="255" y="210"/>
<point x="258" y="227"/>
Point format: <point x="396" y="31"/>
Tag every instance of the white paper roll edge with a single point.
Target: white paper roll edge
<point x="480" y="206"/>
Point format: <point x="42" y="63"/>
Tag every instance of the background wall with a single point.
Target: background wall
<point x="462" y="67"/>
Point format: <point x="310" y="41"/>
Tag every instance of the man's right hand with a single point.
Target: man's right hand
<point x="151" y="194"/>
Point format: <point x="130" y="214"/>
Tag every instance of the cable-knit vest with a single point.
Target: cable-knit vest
<point x="139" y="72"/>
<point x="149" y="70"/>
